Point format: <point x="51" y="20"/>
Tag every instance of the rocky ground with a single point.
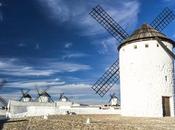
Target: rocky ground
<point x="97" y="122"/>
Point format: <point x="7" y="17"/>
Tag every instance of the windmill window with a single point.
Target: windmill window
<point x="146" y="45"/>
<point x="135" y="46"/>
<point x="157" y="45"/>
<point x="166" y="78"/>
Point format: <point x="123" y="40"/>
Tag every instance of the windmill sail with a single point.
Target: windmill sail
<point x="165" y="47"/>
<point x="109" y="78"/>
<point x="163" y="19"/>
<point x="102" y="17"/>
<point x="3" y="101"/>
<point x="43" y="93"/>
<point x="24" y="94"/>
<point x="38" y="92"/>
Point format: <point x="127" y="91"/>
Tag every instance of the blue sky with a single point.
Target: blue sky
<point x="56" y="43"/>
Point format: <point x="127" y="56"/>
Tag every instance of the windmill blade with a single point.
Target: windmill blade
<point x="113" y="95"/>
<point x="51" y="99"/>
<point x="27" y="92"/>
<point x="110" y="99"/>
<point x="36" y="98"/>
<point x="102" y="17"/>
<point x="3" y="101"/>
<point x="22" y="92"/>
<point x="21" y="97"/>
<point x="38" y="92"/>
<point x="163" y="19"/>
<point x="47" y="87"/>
<point x="61" y="95"/>
<point x="165" y="48"/>
<point x="109" y="78"/>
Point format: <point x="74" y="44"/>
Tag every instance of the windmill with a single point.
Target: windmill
<point x="26" y="97"/>
<point x="146" y="65"/>
<point x="2" y="100"/>
<point x="113" y="100"/>
<point x="111" y="76"/>
<point x="64" y="98"/>
<point x="43" y="95"/>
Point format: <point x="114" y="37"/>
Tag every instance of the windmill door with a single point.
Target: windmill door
<point x="166" y="106"/>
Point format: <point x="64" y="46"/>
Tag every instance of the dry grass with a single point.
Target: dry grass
<point x="98" y="122"/>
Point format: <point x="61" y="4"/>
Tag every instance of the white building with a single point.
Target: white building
<point x="146" y="75"/>
<point x="18" y="109"/>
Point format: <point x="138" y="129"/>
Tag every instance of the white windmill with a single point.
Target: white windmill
<point x="43" y="96"/>
<point x="63" y="98"/>
<point x="26" y="97"/>
<point x="113" y="100"/>
<point x="146" y="66"/>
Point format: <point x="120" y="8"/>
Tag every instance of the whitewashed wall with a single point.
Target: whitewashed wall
<point x="24" y="109"/>
<point x="142" y="79"/>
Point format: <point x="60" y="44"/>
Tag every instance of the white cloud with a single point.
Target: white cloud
<point x="74" y="55"/>
<point x="57" y="9"/>
<point x="56" y="87"/>
<point x="30" y="84"/>
<point x="167" y="0"/>
<point x="68" y="45"/>
<point x="80" y="92"/>
<point x="77" y="13"/>
<point x="126" y="15"/>
<point x="21" y="45"/>
<point x="17" y="67"/>
<point x="68" y="67"/>
<point x="107" y="45"/>
<point x="37" y="46"/>
<point x="122" y="14"/>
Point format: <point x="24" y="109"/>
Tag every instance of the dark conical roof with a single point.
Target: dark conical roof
<point x="145" y="32"/>
<point x="44" y="94"/>
<point x="27" y="96"/>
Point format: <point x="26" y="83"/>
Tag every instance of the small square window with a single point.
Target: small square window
<point x="135" y="46"/>
<point x="157" y="45"/>
<point x="146" y="45"/>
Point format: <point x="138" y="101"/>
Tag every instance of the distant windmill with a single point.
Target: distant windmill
<point x="2" y="100"/>
<point x="26" y="97"/>
<point x="113" y="100"/>
<point x="63" y="97"/>
<point x="43" y="95"/>
<point x="146" y="65"/>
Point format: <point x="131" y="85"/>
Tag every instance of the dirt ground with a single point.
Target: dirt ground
<point x="97" y="122"/>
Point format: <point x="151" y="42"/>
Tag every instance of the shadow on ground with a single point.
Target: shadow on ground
<point x="7" y="121"/>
